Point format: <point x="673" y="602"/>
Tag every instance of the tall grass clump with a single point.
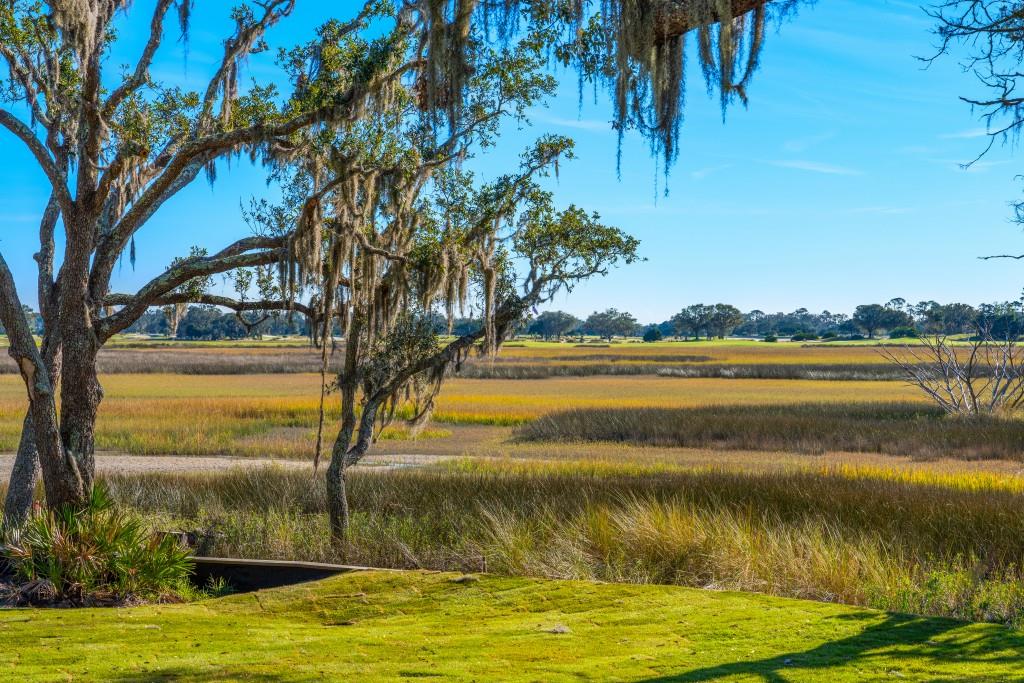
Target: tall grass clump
<point x="101" y="554"/>
<point x="894" y="429"/>
<point x="884" y="542"/>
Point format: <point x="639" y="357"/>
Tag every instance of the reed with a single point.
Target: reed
<point x="896" y="429"/>
<point x="950" y="548"/>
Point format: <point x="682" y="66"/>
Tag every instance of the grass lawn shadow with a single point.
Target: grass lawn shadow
<point x="900" y="638"/>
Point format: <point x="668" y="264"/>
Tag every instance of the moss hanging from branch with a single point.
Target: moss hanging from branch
<point x="636" y="48"/>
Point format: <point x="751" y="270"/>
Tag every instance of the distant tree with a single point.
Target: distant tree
<point x="957" y="318"/>
<point x="897" y="304"/>
<point x="33" y="319"/>
<point x="848" y="327"/>
<point x="1000" y="320"/>
<point x="553" y="324"/>
<point x="667" y="328"/>
<point x="199" y="322"/>
<point x="723" y="319"/>
<point x="609" y="323"/>
<point x="870" y="318"/>
<point x="652" y="334"/>
<point x="903" y="333"/>
<point x="152" y="321"/>
<point x="693" y="320"/>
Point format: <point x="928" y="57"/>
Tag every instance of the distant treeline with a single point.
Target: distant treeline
<point x="895" y="318"/>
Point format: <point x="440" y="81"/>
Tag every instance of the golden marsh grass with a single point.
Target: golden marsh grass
<point x="227" y="414"/>
<point x="912" y="542"/>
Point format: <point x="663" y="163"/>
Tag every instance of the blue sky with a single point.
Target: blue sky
<point x="839" y="185"/>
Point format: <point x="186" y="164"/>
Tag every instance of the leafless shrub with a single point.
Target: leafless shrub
<point x="983" y="378"/>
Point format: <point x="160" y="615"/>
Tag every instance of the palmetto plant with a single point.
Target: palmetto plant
<point x="93" y="555"/>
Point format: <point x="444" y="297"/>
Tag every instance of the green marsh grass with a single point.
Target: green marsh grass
<point x="920" y="543"/>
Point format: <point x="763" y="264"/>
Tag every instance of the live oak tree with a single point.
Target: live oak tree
<point x="116" y="146"/>
<point x="724" y="317"/>
<point x="554" y="324"/>
<point x="610" y="323"/>
<point x="385" y="224"/>
<point x="694" y="320"/>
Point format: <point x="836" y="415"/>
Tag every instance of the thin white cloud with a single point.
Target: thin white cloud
<point x="965" y="134"/>
<point x="982" y="166"/>
<point x="805" y="143"/>
<point x="592" y="125"/>
<point x="19" y="217"/>
<point x="701" y="173"/>
<point x="884" y="210"/>
<point x="979" y="166"/>
<point x="815" y="167"/>
<point x="916" y="149"/>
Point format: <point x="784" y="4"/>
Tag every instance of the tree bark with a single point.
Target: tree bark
<point x="81" y="394"/>
<point x="24" y="477"/>
<point x="59" y="480"/>
<point x="337" y="497"/>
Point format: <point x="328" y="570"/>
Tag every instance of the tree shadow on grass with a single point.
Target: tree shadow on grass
<point x="898" y="638"/>
<point x="184" y="673"/>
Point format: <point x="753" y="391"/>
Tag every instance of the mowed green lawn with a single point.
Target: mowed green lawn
<point x="399" y="625"/>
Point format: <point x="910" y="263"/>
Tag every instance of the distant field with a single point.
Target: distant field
<point x="518" y="360"/>
<point x="275" y="415"/>
<point x="893" y="428"/>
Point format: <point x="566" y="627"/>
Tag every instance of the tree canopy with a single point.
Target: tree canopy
<point x="381" y="221"/>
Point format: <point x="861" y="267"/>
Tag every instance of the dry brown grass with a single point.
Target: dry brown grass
<point x="517" y="361"/>
<point x="230" y="414"/>
<point x="895" y="429"/>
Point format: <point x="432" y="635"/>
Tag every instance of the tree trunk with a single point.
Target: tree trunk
<point x="59" y="481"/>
<point x="80" y="400"/>
<point x="342" y="457"/>
<point x="337" y="498"/>
<point x="24" y="476"/>
<point x="80" y="388"/>
<point x="21" y="488"/>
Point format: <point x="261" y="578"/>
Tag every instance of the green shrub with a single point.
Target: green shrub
<point x="804" y="336"/>
<point x="903" y="333"/>
<point x="97" y="555"/>
<point x="771" y="338"/>
<point x="652" y="334"/>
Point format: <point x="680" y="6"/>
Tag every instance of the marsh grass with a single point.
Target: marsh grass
<point x="276" y="415"/>
<point x="895" y="429"/>
<point x="952" y="549"/>
<point x="517" y="361"/>
<point x="616" y="367"/>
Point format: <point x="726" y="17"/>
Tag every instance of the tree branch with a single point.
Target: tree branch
<point x="141" y="73"/>
<point x="236" y="305"/>
<point x="57" y="179"/>
<point x="237" y="255"/>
